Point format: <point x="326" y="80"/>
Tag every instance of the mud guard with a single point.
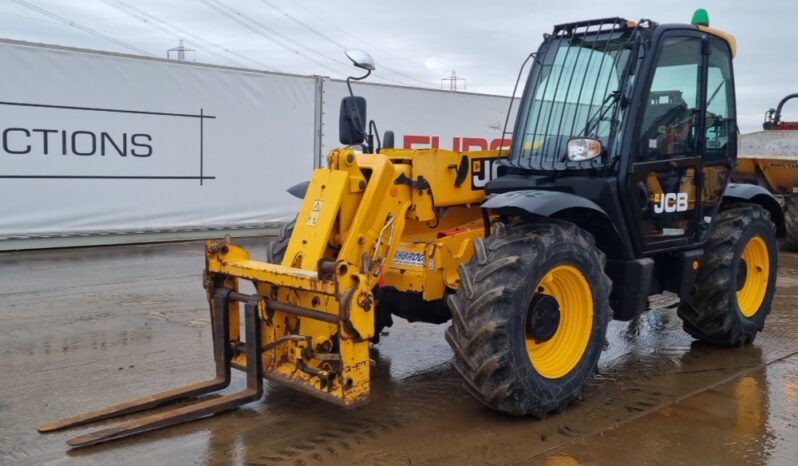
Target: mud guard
<point x="539" y="202"/>
<point x="739" y="192"/>
<point x="627" y="301"/>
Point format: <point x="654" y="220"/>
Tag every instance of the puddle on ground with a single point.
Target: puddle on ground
<point x="659" y="398"/>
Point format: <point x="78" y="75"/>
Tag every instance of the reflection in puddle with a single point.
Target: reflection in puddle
<point x="659" y="396"/>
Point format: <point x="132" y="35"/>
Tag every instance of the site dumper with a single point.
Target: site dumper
<point x="769" y="158"/>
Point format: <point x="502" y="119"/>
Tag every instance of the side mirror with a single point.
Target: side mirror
<point x="361" y="59"/>
<point x="352" y="120"/>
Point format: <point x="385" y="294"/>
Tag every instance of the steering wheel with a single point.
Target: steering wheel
<point x="666" y="118"/>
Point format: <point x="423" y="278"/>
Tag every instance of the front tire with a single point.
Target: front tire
<point x="734" y="286"/>
<point x="529" y="319"/>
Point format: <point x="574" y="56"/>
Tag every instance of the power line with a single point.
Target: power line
<point x="157" y="23"/>
<point x="334" y="42"/>
<point x="80" y="26"/>
<point x="228" y="12"/>
<point x="367" y="44"/>
<point x="309" y="28"/>
<point x="331" y="24"/>
<point x="31" y="18"/>
<point x="258" y="29"/>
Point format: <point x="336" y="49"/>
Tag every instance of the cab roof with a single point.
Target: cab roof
<point x="618" y="23"/>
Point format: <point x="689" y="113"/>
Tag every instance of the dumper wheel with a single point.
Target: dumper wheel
<point x="529" y="319"/>
<point x="791" y="223"/>
<point x="276" y="248"/>
<point x="735" y="284"/>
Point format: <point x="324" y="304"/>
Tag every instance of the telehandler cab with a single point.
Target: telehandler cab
<point x="615" y="187"/>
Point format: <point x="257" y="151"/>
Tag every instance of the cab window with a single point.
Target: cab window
<point x="668" y="126"/>
<point x="721" y="126"/>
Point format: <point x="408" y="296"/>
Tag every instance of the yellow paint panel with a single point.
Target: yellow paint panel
<point x="316" y="218"/>
<point x="274" y="274"/>
<point x="439" y="168"/>
<point x="781" y="173"/>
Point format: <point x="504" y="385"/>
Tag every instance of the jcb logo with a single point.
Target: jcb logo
<point x="482" y="171"/>
<point x="670" y="202"/>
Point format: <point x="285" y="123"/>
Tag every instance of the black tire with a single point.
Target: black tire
<point x="712" y="312"/>
<point x="489" y="316"/>
<point x="791" y="223"/>
<point x="275" y="250"/>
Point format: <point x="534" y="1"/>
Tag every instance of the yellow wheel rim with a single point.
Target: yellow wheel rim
<point x="557" y="356"/>
<point x="757" y="262"/>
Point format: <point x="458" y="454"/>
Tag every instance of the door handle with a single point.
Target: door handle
<point x="642" y="195"/>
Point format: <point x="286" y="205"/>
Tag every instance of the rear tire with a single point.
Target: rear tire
<point x="734" y="286"/>
<point x="791" y="223"/>
<point x="506" y="363"/>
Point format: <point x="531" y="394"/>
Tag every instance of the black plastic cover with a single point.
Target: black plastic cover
<point x="352" y="120"/>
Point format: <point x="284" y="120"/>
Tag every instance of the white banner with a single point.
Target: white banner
<point x="96" y="143"/>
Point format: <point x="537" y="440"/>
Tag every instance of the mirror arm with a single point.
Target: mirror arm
<point x="353" y="78"/>
<point x="369" y="138"/>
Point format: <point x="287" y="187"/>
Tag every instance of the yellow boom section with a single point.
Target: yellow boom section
<point x="317" y="306"/>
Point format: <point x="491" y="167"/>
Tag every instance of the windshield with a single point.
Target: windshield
<point x="573" y="91"/>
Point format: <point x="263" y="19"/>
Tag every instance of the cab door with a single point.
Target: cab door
<point x="667" y="165"/>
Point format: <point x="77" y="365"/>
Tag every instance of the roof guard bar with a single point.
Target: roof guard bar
<point x="586" y="25"/>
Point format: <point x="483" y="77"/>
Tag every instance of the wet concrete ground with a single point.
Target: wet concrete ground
<point x="83" y="328"/>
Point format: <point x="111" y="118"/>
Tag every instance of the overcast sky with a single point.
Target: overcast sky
<point x="413" y="42"/>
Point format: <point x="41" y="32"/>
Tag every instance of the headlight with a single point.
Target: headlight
<point x="580" y="149"/>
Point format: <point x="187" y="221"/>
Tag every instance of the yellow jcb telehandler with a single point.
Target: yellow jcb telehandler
<point x="612" y="189"/>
